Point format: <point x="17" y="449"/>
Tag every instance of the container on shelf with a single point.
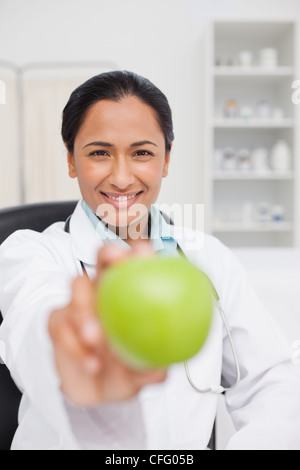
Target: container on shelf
<point x="244" y="160"/>
<point x="280" y="158"/>
<point x="245" y="59"/>
<point x="229" y="159"/>
<point x="268" y="57"/>
<point x="260" y="160"/>
<point x="264" y="110"/>
<point x="278" y="212"/>
<point x="231" y="109"/>
<point x="264" y="212"/>
<point x="246" y="113"/>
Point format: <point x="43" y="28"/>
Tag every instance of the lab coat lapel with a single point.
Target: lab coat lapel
<point x="86" y="242"/>
<point x="191" y="419"/>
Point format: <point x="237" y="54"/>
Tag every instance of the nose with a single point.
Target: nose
<point x="121" y="173"/>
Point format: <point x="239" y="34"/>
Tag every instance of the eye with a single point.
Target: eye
<point x="143" y="153"/>
<point x="98" y="153"/>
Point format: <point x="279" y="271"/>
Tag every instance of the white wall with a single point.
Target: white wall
<point x="161" y="39"/>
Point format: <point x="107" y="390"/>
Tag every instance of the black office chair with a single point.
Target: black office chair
<point x="35" y="217"/>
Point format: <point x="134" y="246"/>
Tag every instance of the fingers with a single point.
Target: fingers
<point x="84" y="311"/>
<point x="66" y="339"/>
<point x="109" y="254"/>
<point x="112" y="253"/>
<point x="76" y="330"/>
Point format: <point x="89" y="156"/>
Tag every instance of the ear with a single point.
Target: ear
<point x="166" y="163"/>
<point x="71" y="166"/>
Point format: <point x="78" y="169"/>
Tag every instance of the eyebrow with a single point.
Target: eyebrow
<point x="108" y="144"/>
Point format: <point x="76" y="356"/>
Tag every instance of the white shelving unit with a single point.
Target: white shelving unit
<point x="229" y="193"/>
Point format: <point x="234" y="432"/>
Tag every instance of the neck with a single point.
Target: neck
<point x="140" y="230"/>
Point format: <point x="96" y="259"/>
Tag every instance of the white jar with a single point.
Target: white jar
<point x="245" y="58"/>
<point x="268" y="57"/>
<point x="280" y="158"/>
<point x="264" y="110"/>
<point x="260" y="159"/>
<point x="246" y="113"/>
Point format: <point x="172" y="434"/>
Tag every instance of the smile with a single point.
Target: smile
<point x="121" y="198"/>
<point x="121" y="201"/>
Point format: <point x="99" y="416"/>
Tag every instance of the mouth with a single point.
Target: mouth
<point x="121" y="201"/>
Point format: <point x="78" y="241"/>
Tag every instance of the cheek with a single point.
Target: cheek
<point x="152" y="173"/>
<point x="90" y="173"/>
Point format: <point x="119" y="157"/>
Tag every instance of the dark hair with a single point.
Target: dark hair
<point x="114" y="86"/>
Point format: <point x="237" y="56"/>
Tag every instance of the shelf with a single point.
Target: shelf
<point x="255" y="227"/>
<point x="253" y="124"/>
<point x="234" y="196"/>
<point x="236" y="71"/>
<point x="245" y="175"/>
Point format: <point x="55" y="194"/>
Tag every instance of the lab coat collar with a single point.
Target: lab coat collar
<point x="87" y="242"/>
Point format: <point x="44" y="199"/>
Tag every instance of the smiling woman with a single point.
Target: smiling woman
<point x="79" y="394"/>
<point x="118" y="131"/>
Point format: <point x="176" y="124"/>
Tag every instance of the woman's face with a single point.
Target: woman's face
<point x="120" y="159"/>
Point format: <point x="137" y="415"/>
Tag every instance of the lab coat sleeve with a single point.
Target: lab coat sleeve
<point x="32" y="285"/>
<point x="265" y="407"/>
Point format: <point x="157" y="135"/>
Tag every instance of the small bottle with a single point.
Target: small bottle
<point x="278" y="213"/>
<point x="231" y="109"/>
<point x="229" y="159"/>
<point x="264" y="212"/>
<point x="244" y="160"/>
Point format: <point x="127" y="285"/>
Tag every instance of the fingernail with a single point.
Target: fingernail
<point x="92" y="364"/>
<point x="90" y="330"/>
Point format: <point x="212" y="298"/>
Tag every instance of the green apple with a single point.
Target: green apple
<point x="155" y="311"/>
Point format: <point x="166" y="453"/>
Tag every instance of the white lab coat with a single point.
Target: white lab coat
<point x="35" y="276"/>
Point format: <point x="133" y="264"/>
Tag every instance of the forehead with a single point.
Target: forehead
<point x="129" y="117"/>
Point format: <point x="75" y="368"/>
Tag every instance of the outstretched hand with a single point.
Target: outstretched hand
<point x="90" y="372"/>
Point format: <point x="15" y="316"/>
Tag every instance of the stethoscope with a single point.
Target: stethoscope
<point x="219" y="389"/>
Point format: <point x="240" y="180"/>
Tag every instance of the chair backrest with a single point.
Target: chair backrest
<point x="35" y="217"/>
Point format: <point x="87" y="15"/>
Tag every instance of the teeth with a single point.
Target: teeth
<point x="121" y="198"/>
